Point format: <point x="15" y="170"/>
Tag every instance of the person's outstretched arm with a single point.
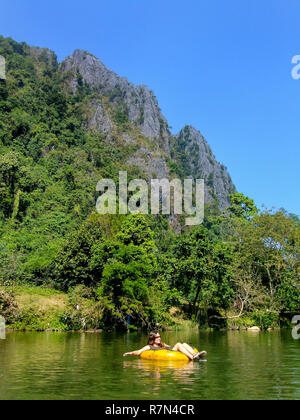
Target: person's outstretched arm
<point x="137" y="352"/>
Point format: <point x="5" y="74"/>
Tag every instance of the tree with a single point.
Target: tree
<point x="125" y="273"/>
<point x="9" y="176"/>
<point x="72" y="266"/>
<point x="136" y="231"/>
<point x="242" y="206"/>
<point x="201" y="271"/>
<point x="267" y="256"/>
<point x="124" y="286"/>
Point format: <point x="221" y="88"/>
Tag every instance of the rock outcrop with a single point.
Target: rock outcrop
<point x="141" y="105"/>
<point x="188" y="150"/>
<point x="45" y="55"/>
<point x="196" y="159"/>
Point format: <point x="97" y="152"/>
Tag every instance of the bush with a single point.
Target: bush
<point x="265" y="320"/>
<point x="83" y="311"/>
<point x="31" y="319"/>
<point x="8" y="306"/>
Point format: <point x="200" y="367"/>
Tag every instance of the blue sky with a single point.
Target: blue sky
<point x="223" y="67"/>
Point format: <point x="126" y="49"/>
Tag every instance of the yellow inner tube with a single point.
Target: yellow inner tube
<point x="164" y="355"/>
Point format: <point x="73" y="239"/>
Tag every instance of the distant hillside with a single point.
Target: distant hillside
<point x="65" y="126"/>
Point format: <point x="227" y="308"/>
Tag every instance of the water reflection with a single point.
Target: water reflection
<point x="158" y="373"/>
<point x="91" y="366"/>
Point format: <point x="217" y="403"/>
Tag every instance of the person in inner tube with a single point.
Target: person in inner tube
<point x="155" y="343"/>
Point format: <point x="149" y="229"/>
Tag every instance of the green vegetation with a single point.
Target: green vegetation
<point x="62" y="266"/>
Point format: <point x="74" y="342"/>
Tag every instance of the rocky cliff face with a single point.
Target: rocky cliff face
<point x="188" y="150"/>
<point x="196" y="159"/>
<point x="45" y="55"/>
<point x="141" y="105"/>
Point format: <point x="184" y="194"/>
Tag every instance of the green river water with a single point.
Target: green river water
<point x="240" y="365"/>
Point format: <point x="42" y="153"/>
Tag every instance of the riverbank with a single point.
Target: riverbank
<point x="46" y="309"/>
<point x="33" y="308"/>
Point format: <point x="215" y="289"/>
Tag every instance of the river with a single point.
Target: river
<point x="240" y="365"/>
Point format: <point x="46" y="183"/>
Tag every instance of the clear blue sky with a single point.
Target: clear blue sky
<point x="221" y="66"/>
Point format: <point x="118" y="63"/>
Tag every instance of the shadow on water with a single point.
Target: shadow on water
<point x="240" y="365"/>
<point x="156" y="375"/>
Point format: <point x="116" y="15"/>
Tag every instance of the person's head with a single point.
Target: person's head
<point x="154" y="339"/>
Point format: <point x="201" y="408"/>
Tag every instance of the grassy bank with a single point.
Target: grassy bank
<point x="33" y="308"/>
<point x="39" y="298"/>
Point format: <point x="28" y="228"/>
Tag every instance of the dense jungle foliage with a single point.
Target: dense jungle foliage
<point x="238" y="269"/>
